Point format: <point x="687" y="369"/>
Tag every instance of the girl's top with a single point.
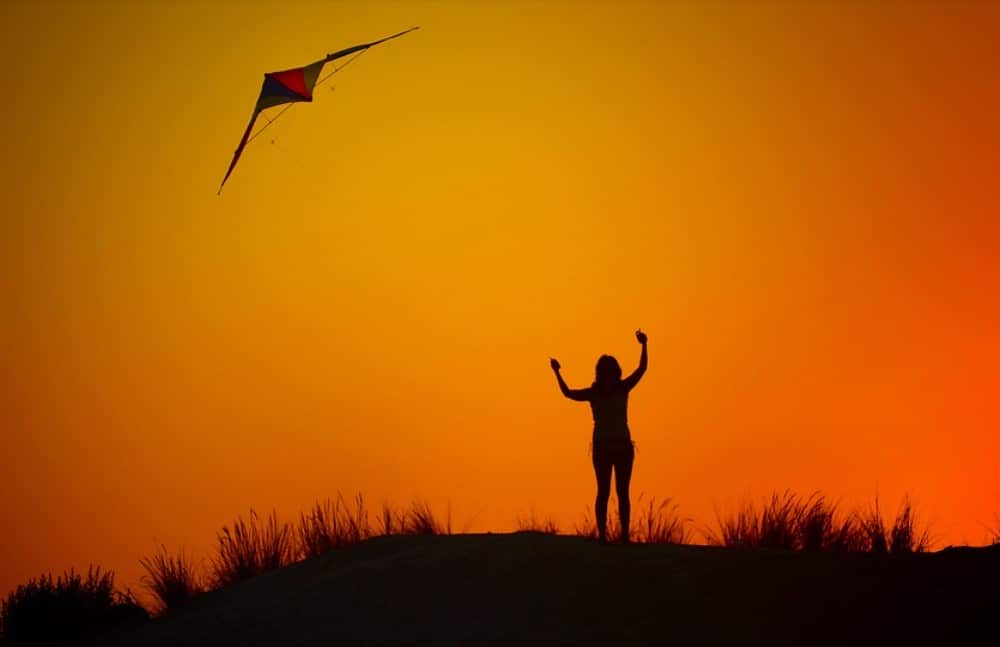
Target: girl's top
<point x="610" y="411"/>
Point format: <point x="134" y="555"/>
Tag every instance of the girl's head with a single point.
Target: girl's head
<point x="608" y="372"/>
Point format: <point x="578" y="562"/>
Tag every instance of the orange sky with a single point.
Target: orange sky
<point x="796" y="201"/>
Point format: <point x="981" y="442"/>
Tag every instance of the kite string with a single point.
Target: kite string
<point x="269" y="122"/>
<point x="290" y="105"/>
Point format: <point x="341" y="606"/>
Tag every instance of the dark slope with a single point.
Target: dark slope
<point x="531" y="588"/>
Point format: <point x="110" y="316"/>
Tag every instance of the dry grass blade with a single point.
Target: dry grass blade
<point x="358" y="526"/>
<point x="388" y="521"/>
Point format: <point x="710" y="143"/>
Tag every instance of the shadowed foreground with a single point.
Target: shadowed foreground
<point x="533" y="588"/>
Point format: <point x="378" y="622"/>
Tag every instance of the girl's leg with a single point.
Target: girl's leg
<point x="602" y="470"/>
<point x="623" y="475"/>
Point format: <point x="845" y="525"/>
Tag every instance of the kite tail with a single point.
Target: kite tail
<point x="239" y="150"/>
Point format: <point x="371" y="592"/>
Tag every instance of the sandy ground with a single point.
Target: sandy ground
<point x="528" y="588"/>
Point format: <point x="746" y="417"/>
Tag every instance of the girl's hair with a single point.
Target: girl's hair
<point x="607" y="371"/>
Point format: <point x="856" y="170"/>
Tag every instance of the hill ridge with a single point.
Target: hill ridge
<point x="531" y="588"/>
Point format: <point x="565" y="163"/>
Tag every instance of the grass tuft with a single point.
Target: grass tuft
<point x="332" y="524"/>
<point x="652" y="522"/>
<point x="389" y="521"/>
<point x="659" y="523"/>
<point x="778" y="524"/>
<point x="171" y="579"/>
<point x="251" y="548"/>
<point x="736" y="529"/>
<point x="588" y="525"/>
<point x="532" y="523"/>
<point x="48" y="611"/>
<point x="420" y="520"/>
<point x="907" y="536"/>
<point x="791" y="522"/>
<point x="873" y="531"/>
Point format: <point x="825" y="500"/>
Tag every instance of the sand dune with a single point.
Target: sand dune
<point x="528" y="588"/>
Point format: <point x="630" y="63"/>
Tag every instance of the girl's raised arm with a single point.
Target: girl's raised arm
<point x="580" y="395"/>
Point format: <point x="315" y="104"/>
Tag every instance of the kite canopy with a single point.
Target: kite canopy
<point x="291" y="86"/>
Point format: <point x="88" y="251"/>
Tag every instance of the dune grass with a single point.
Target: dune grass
<point x="533" y="523"/>
<point x="251" y="547"/>
<point x="254" y="545"/>
<point x="820" y="525"/>
<point x="783" y="521"/>
<point x="651" y="522"/>
<point x="171" y="579"/>
<point x="908" y="534"/>
<point x="874" y="535"/>
<point x="904" y="536"/>
<point x="389" y="521"/>
<point x="52" y="611"/>
<point x="418" y="519"/>
<point x="659" y="523"/>
<point x="331" y="524"/>
<point x="817" y="524"/>
<point x="587" y="527"/>
<point x="789" y="521"/>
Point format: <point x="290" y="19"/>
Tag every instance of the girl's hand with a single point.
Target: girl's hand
<point x="554" y="363"/>
<point x="641" y="336"/>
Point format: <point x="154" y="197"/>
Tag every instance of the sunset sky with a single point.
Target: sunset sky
<point x="796" y="201"/>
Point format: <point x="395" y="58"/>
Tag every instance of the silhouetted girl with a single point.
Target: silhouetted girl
<point x="612" y="442"/>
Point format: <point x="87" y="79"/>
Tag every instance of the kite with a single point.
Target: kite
<point x="293" y="86"/>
